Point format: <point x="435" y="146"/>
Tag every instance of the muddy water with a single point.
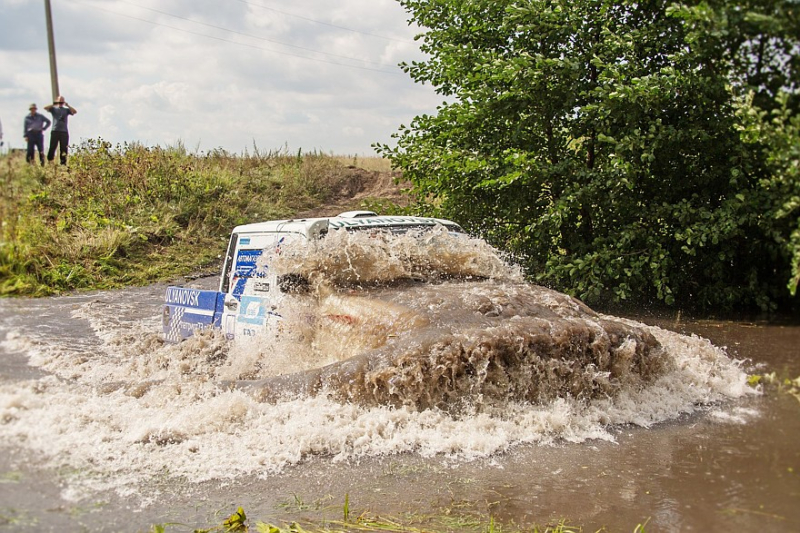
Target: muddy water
<point x="104" y="428"/>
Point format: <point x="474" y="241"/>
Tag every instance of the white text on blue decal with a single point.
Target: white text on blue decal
<point x="176" y="295"/>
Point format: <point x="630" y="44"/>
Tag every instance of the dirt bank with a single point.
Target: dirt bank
<point x="357" y="185"/>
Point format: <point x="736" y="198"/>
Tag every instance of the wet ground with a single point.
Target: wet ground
<point x="99" y="434"/>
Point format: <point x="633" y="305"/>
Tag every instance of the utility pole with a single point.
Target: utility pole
<point x="52" y="47"/>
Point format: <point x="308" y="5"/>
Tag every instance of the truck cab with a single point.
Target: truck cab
<point x="249" y="295"/>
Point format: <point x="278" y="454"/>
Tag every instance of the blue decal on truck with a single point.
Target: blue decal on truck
<point x="246" y="264"/>
<point x="189" y="310"/>
<point x="245" y="267"/>
<point x="252" y="310"/>
<point x="238" y="287"/>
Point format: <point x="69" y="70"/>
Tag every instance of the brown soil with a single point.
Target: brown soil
<point x="356" y="185"/>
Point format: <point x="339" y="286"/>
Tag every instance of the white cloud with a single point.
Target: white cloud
<point x="107" y="118"/>
<point x="217" y="73"/>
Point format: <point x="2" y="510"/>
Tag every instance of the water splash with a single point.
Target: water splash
<point x="397" y="346"/>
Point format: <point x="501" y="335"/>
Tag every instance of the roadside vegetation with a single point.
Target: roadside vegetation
<point x="626" y="151"/>
<point x="131" y="215"/>
<point x="367" y="522"/>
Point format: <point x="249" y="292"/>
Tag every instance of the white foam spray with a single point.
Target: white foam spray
<point x="127" y="407"/>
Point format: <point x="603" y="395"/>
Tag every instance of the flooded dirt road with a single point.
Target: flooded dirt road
<point x="105" y="428"/>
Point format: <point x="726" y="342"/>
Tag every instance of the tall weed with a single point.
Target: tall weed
<point x="131" y="214"/>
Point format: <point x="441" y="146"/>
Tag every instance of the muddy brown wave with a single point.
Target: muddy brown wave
<point x="441" y="321"/>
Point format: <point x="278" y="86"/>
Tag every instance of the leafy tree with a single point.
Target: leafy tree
<point x="622" y="149"/>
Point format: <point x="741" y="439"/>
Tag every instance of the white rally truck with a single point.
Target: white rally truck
<point x="249" y="295"/>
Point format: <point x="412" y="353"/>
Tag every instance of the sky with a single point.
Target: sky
<point x="233" y="74"/>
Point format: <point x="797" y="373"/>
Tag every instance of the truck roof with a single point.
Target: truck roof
<point x="348" y="220"/>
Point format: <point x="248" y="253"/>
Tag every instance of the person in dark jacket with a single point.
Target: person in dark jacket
<point x="34" y="128"/>
<point x="59" y="135"/>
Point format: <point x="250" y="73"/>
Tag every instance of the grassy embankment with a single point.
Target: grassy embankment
<point x="131" y="215"/>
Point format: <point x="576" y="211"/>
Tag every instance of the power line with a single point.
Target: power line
<point x="256" y="36"/>
<point x="117" y="13"/>
<point x="325" y="23"/>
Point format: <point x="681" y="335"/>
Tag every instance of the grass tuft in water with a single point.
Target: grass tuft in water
<point x="772" y="381"/>
<point x="366" y="522"/>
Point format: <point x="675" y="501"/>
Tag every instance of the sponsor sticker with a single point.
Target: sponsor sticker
<point x="246" y="263"/>
<point x="185" y="297"/>
<point x="252" y="310"/>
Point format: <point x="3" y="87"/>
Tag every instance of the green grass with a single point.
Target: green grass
<point x="368" y="522"/>
<point x="131" y="215"/>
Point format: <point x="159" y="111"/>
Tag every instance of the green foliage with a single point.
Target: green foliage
<point x="627" y="150"/>
<point x="784" y="384"/>
<point x="367" y="522"/>
<point x="131" y="214"/>
<point x="236" y="522"/>
<point x="387" y="525"/>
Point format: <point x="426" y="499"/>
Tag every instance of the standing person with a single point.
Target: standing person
<point x="59" y="135"/>
<point x="35" y="126"/>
